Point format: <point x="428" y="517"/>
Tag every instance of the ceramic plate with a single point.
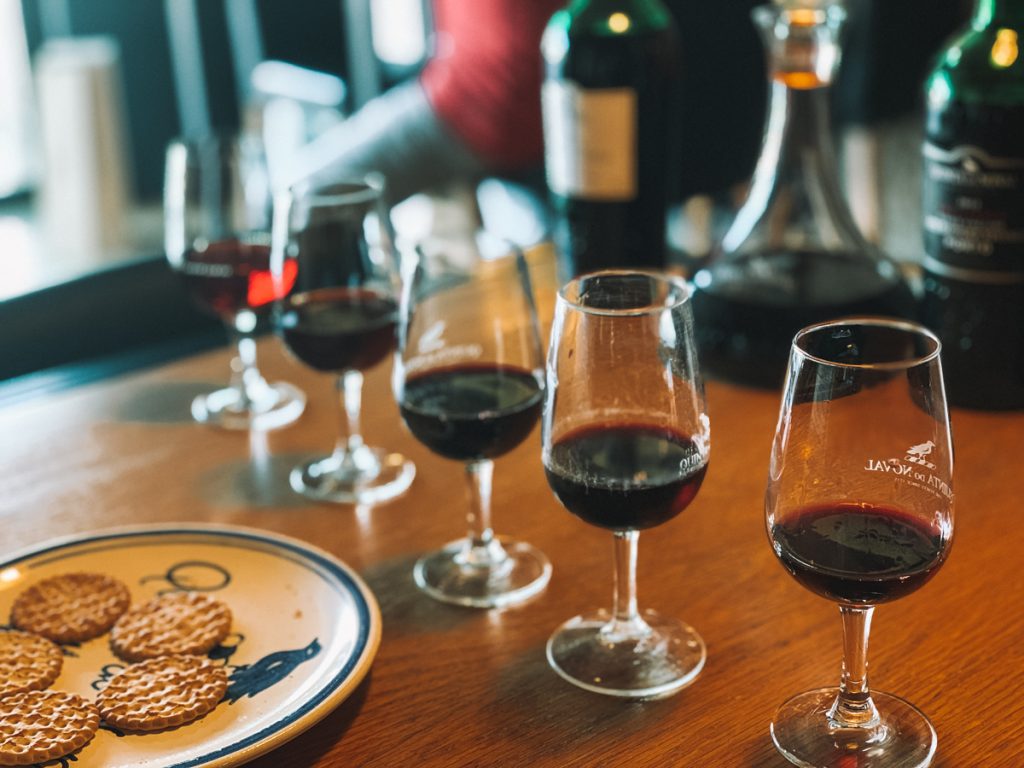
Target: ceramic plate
<point x="305" y="632"/>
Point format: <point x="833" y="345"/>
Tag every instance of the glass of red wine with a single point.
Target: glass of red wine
<point x="469" y="383"/>
<point x="859" y="510"/>
<point x="626" y="441"/>
<point x="217" y="211"/>
<point x="335" y="259"/>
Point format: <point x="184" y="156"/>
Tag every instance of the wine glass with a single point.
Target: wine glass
<point x="217" y="238"/>
<point x="469" y="382"/>
<point x="625" y="447"/>
<point x="859" y="509"/>
<point x="334" y="256"/>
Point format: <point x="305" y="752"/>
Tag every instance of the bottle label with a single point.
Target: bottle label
<point x="590" y="141"/>
<point x="973" y="214"/>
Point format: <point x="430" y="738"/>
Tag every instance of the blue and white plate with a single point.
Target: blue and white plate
<point x="305" y="631"/>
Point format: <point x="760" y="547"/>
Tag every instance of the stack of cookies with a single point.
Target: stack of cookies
<point x="169" y="681"/>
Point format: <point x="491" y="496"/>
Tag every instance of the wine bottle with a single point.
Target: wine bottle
<point x="608" y="103"/>
<point x="973" y="209"/>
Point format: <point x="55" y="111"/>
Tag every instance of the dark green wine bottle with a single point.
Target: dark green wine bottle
<point x="610" y="119"/>
<point x="973" y="200"/>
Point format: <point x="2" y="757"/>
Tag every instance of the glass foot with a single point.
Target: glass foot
<point x="504" y="573"/>
<point x="804" y="735"/>
<point x="276" y="406"/>
<point x="373" y="477"/>
<point x="652" y="658"/>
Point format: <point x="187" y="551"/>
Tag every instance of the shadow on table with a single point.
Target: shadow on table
<point x="550" y="720"/>
<point x="259" y="481"/>
<point x="404" y="608"/>
<point x="318" y="740"/>
<point x="165" y="403"/>
<point x="533" y="692"/>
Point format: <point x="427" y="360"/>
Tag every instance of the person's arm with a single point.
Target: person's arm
<point x="397" y="134"/>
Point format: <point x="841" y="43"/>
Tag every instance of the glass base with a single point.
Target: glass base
<point x="651" y="658"/>
<point x="805" y="736"/>
<point x="278" y="405"/>
<point x="372" y="477"/>
<point x="503" y="573"/>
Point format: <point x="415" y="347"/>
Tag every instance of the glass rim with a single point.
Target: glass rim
<point x="365" y="188"/>
<point x="906" y="326"/>
<point x="650" y="309"/>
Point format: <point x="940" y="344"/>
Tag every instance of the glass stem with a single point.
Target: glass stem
<point x="626" y="619"/>
<point x="246" y="378"/>
<point x="853" y="707"/>
<point x="350" y="398"/>
<point x="483" y="549"/>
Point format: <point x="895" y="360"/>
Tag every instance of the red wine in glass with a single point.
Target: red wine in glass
<point x="625" y="446"/>
<point x="334" y="255"/>
<point x="625" y="477"/>
<point x="338" y="329"/>
<point x="472" y="412"/>
<point x="469" y="385"/>
<point x="231" y="275"/>
<point x="862" y="554"/>
<point x="859" y="510"/>
<point x="217" y="239"/>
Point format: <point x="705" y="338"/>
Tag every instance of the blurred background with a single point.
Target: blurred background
<point x="91" y="91"/>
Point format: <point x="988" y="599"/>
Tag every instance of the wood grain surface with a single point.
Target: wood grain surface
<point x="460" y="687"/>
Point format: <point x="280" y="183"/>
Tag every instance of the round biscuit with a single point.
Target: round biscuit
<point x="71" y="607"/>
<point x="36" y="726"/>
<point x="179" y="622"/>
<point x="162" y="693"/>
<point x="27" y="662"/>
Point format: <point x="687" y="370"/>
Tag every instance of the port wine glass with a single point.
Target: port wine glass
<point x="217" y="238"/>
<point x="859" y="510"/>
<point x="334" y="254"/>
<point x="469" y="383"/>
<point x="626" y="442"/>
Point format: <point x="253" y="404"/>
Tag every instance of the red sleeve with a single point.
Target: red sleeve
<point x="484" y="77"/>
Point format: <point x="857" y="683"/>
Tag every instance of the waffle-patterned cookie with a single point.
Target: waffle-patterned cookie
<point x="180" y="622"/>
<point x="71" y="607"/>
<point x="27" y="662"/>
<point x="162" y="693"/>
<point x="36" y="726"/>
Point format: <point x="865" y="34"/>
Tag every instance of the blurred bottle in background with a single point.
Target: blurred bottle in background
<point x="793" y="255"/>
<point x="610" y="122"/>
<point x="973" y="205"/>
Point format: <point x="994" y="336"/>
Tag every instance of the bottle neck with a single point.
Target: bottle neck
<point x="796" y="170"/>
<point x="989" y="12"/>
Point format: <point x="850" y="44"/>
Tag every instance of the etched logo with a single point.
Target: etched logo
<point x="431" y="341"/>
<point x="916" y="454"/>
<point x="911" y="469"/>
<point x="433" y="352"/>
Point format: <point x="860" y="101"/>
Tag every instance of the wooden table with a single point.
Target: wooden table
<point x="459" y="687"/>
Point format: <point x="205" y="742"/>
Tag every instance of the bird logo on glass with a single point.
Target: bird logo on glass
<point x="912" y="469"/>
<point x="916" y="454"/>
<point x="432" y="350"/>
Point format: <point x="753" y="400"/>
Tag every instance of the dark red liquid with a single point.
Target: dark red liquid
<point x="228" y="276"/>
<point x="858" y="553"/>
<point x="625" y="477"/>
<point x="745" y="319"/>
<point x="471" y="412"/>
<point x="338" y="329"/>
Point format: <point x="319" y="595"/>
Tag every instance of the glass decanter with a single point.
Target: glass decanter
<point x="793" y="255"/>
